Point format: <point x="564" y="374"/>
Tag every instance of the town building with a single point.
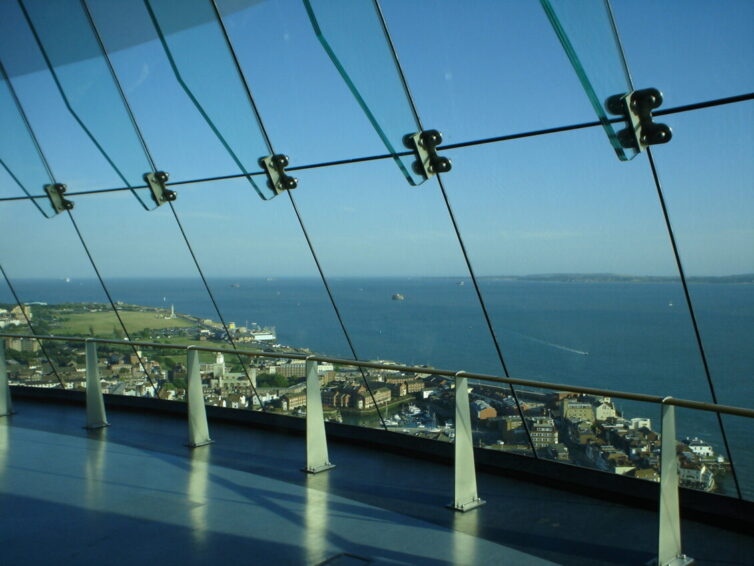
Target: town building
<point x="291" y="401"/>
<point x="543" y="432"/>
<point x="576" y="410"/>
<point x="481" y="410"/>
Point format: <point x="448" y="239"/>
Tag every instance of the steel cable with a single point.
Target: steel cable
<point x="690" y="306"/>
<point x="459" y="237"/>
<point x="471" y="143"/>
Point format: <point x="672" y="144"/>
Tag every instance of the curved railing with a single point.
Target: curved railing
<point x="466" y="497"/>
<point x="423" y="370"/>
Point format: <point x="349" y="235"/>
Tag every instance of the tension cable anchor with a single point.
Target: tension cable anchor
<point x="424" y="145"/>
<point x="160" y="193"/>
<point x="277" y="179"/>
<point x="636" y="107"/>
<point x="55" y="194"/>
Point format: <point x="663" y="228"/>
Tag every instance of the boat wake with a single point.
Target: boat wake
<point x="550" y="344"/>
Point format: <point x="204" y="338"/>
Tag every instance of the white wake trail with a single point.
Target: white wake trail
<point x="550" y="344"/>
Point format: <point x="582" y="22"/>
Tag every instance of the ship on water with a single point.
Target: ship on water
<point x="398" y="297"/>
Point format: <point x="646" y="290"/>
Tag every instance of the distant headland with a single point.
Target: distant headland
<point x="745" y="278"/>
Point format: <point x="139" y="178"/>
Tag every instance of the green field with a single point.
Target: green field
<point x="103" y="323"/>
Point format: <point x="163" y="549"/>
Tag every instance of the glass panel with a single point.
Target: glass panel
<point x="152" y="275"/>
<point x="72" y="156"/>
<point x="262" y="279"/>
<point x="199" y="54"/>
<point x="576" y="268"/>
<point x="575" y="265"/>
<point x="702" y="53"/>
<point x="363" y="56"/>
<point x="739" y="431"/>
<point x="477" y="81"/>
<point x="23" y="171"/>
<point x="89" y="89"/>
<point x="587" y="32"/>
<point x="704" y="461"/>
<point x="50" y="274"/>
<point x="180" y="139"/>
<point x="399" y="395"/>
<point x="403" y="291"/>
<point x="325" y="125"/>
<point x="399" y="290"/>
<point x="707" y="181"/>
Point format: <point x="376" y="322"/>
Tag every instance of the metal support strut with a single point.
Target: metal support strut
<point x="317" y="459"/>
<point x="466" y="497"/>
<point x="636" y="107"/>
<point x="95" y="404"/>
<point x="6" y="406"/>
<point x="277" y="179"/>
<point x="197" y="411"/>
<point x="55" y="194"/>
<point x="424" y="145"/>
<point x="669" y="553"/>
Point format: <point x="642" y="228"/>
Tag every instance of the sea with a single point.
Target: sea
<point x="628" y="336"/>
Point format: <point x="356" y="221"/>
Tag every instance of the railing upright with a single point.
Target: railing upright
<point x="6" y="405"/>
<point x="95" y="404"/>
<point x="197" y="411"/>
<point x="317" y="459"/>
<point x="669" y="553"/>
<point x="466" y="497"/>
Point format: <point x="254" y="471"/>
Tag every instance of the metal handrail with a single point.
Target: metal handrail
<point x="656" y="399"/>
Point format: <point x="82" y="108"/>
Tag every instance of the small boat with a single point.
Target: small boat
<point x="412" y="410"/>
<point x="398" y="297"/>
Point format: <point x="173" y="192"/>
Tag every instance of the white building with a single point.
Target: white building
<point x="641" y="422"/>
<point x="700" y="448"/>
<point x="696" y="477"/>
<point x="605" y="410"/>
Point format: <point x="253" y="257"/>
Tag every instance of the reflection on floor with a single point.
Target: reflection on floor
<point x="132" y="493"/>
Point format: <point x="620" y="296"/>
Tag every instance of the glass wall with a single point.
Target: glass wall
<point x="57" y="289"/>
<point x="573" y="260"/>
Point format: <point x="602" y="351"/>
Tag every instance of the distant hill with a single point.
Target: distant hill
<point x="746" y="278"/>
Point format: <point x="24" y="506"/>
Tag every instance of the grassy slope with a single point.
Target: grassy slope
<point x="102" y="323"/>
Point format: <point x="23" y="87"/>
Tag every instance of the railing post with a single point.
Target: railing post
<point x="95" y="404"/>
<point x="197" y="411"/>
<point x="466" y="497"/>
<point x="670" y="522"/>
<point x="317" y="459"/>
<point x="6" y="405"/>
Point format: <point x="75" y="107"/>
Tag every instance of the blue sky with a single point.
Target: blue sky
<point x="560" y="203"/>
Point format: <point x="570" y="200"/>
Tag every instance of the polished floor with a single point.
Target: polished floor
<point x="133" y="493"/>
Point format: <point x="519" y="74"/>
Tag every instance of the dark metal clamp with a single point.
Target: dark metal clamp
<point x="277" y="179"/>
<point x="636" y="107"/>
<point x="424" y="145"/>
<point x="55" y="193"/>
<point x="160" y="193"/>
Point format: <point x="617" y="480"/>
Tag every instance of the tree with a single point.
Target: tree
<point x="271" y="380"/>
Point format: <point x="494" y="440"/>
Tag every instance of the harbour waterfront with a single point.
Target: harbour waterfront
<point x="625" y="336"/>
